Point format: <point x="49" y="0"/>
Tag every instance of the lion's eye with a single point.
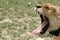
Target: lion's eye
<point x="46" y="7"/>
<point x="38" y="6"/>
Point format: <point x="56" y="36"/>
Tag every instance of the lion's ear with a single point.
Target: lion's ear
<point x="47" y="7"/>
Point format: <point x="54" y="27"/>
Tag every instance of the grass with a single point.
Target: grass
<point x="21" y="17"/>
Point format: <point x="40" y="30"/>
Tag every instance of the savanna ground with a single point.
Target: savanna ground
<point x="17" y="18"/>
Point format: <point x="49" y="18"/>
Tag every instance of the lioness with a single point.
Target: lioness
<point x="50" y="19"/>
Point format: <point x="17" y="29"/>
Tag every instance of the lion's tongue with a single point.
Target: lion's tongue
<point x="39" y="29"/>
<point x="36" y="31"/>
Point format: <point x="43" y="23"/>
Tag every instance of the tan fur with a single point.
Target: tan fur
<point x="53" y="14"/>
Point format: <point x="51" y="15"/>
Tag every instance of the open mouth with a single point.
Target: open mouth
<point x="43" y="27"/>
<point x="44" y="24"/>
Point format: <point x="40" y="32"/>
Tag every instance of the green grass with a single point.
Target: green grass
<point x="23" y="18"/>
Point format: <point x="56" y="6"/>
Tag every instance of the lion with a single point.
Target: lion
<point x="50" y="20"/>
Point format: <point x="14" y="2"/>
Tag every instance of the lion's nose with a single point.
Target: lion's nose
<point x="38" y="6"/>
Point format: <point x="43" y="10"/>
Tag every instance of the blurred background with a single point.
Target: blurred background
<point x="17" y="17"/>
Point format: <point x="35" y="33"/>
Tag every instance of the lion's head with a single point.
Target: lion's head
<point x="45" y="9"/>
<point x="48" y="15"/>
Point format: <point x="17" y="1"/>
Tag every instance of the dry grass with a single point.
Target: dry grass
<point x="18" y="16"/>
